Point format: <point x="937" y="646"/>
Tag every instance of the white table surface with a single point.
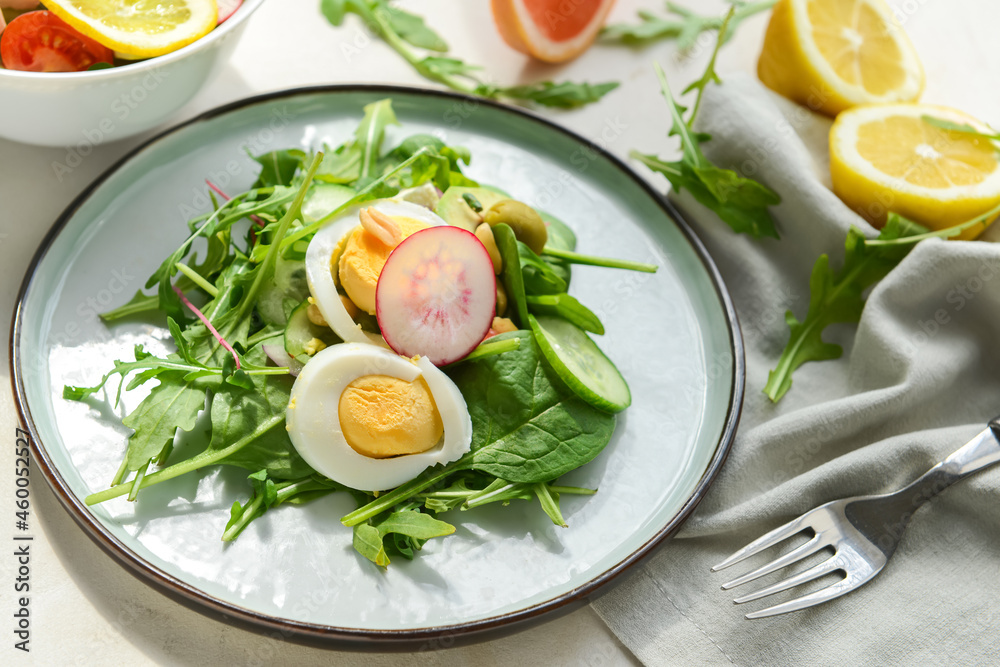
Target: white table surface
<point x="88" y="610"/>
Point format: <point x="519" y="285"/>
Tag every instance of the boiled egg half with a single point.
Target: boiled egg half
<point x="344" y="254"/>
<point x="371" y="420"/>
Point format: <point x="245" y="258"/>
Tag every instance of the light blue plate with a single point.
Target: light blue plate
<point x="673" y="335"/>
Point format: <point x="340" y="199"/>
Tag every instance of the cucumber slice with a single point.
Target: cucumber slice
<point x="578" y="361"/>
<point x="324" y="199"/>
<point x="300" y="330"/>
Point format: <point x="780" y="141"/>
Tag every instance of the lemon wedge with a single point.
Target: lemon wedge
<point x="890" y="158"/>
<point x="831" y="55"/>
<point x="139" y="28"/>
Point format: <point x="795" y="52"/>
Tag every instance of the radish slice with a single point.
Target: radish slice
<point x="436" y="295"/>
<point x="227" y="8"/>
<point x="277" y="354"/>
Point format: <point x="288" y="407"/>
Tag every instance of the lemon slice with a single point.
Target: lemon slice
<point x="889" y="158"/>
<point x="831" y="55"/>
<point x="139" y="28"/>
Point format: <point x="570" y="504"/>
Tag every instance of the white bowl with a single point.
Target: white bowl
<point x="88" y="108"/>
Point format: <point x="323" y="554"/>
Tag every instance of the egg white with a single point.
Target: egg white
<point x="320" y="253"/>
<point x="313" y="416"/>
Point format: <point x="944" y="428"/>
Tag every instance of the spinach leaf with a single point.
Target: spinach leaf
<point x="526" y="426"/>
<point x="237" y="412"/>
<point x="538" y="275"/>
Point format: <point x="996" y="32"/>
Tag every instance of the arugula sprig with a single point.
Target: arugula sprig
<point x="839" y="296"/>
<point x="681" y="24"/>
<point x="964" y="128"/>
<point x="740" y="202"/>
<point x="402" y="30"/>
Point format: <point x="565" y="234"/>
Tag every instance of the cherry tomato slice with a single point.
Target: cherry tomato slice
<point x="42" y="42"/>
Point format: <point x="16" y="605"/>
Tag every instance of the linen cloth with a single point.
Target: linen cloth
<point x="919" y="377"/>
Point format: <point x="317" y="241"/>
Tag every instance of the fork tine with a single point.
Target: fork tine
<point x="826" y="567"/>
<point x="797" y="554"/>
<point x="817" y="597"/>
<point x="765" y="541"/>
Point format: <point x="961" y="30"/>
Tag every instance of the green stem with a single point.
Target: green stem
<point x="947" y="232"/>
<point x="266" y="269"/>
<point x="140" y="474"/>
<point x="710" y="69"/>
<point x="591" y="260"/>
<point x="401" y="493"/>
<point x="549" y="504"/>
<point x="572" y="490"/>
<point x="206" y="458"/>
<point x="197" y="279"/>
<point x="249" y="514"/>
<point x="122" y="470"/>
<point x="488" y="349"/>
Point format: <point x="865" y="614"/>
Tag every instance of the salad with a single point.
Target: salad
<point x="83" y="35"/>
<point x="375" y="323"/>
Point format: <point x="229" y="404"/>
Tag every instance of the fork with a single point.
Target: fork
<point x="862" y="531"/>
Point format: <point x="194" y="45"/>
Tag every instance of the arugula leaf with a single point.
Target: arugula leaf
<point x="357" y="159"/>
<point x="415" y="526"/>
<point x="684" y="25"/>
<point x="837" y="297"/>
<point x="740" y="202"/>
<point x="173" y="404"/>
<point x="413" y="29"/>
<point x="401" y="30"/>
<point x="278" y="167"/>
<point x="268" y="494"/>
<point x="259" y="410"/>
<point x="964" y="128"/>
<point x="563" y="95"/>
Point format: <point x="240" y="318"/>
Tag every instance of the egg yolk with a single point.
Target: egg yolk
<point x="363" y="258"/>
<point x="383" y="416"/>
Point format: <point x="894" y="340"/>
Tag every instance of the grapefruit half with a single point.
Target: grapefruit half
<point x="551" y="30"/>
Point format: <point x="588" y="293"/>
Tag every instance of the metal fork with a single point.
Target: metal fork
<point x="863" y="531"/>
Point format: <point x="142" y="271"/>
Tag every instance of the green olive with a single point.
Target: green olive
<point x="501" y="300"/>
<point x="485" y="235"/>
<point x="527" y="225"/>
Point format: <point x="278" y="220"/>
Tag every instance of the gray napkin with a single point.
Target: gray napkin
<point x="918" y="378"/>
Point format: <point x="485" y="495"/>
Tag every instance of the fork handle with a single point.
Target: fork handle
<point x="980" y="452"/>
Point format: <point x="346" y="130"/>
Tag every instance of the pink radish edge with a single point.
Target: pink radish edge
<point x="227" y="8"/>
<point x="417" y="322"/>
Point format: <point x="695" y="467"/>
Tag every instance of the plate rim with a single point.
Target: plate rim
<point x="346" y="638"/>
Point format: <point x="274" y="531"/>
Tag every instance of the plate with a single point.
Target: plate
<point x="673" y="335"/>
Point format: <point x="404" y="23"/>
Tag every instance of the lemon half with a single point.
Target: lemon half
<point x="139" y="28"/>
<point x="889" y="158"/>
<point x="831" y="55"/>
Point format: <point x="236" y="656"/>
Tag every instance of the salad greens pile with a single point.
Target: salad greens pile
<point x="402" y="31"/>
<point x="243" y="264"/>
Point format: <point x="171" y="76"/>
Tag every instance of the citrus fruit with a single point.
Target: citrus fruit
<point x="139" y="28"/>
<point x="887" y="157"/>
<point x="831" y="55"/>
<point x="550" y="30"/>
